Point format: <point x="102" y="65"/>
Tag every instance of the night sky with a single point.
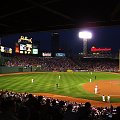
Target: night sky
<point x="102" y="37"/>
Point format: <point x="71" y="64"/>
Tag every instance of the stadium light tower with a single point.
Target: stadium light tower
<point x="85" y="35"/>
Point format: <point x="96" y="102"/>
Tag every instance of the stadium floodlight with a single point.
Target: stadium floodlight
<point x="85" y="35"/>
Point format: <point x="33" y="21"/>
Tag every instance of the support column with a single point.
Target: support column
<point x="84" y="46"/>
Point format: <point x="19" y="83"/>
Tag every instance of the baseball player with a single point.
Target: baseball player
<point x="57" y="85"/>
<point x="32" y="80"/>
<point x="59" y="77"/>
<point x="103" y="98"/>
<point x="96" y="89"/>
<point x="108" y="98"/>
<point x="90" y="80"/>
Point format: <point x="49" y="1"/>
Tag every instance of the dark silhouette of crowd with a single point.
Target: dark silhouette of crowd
<point x="25" y="106"/>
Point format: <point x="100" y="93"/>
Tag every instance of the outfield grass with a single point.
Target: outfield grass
<point x="70" y="84"/>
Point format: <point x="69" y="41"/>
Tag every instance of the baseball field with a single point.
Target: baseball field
<point x="74" y="85"/>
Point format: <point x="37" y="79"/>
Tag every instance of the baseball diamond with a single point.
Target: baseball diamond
<point x="74" y="86"/>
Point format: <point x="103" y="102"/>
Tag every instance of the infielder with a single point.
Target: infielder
<point x="108" y="98"/>
<point x="103" y="98"/>
<point x="96" y="89"/>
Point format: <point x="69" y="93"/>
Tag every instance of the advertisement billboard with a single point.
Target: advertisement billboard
<point x="60" y="54"/>
<point x="45" y="54"/>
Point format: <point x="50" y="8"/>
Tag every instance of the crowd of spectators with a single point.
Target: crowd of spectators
<point x="46" y="63"/>
<point x="98" y="64"/>
<point x="25" y="106"/>
<point x="64" y="63"/>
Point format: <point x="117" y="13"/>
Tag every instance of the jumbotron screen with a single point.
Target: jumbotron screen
<point x="26" y="48"/>
<point x="22" y="47"/>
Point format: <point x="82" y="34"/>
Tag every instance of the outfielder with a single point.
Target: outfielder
<point x="32" y="80"/>
<point x="90" y="80"/>
<point x="59" y="77"/>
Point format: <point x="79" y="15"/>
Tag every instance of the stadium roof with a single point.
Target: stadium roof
<point x="19" y="16"/>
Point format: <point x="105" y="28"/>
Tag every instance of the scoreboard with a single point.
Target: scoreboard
<point x="25" y="46"/>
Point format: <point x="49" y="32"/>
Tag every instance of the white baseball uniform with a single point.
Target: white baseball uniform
<point x="59" y="76"/>
<point x="103" y="98"/>
<point x="32" y="80"/>
<point x="96" y="89"/>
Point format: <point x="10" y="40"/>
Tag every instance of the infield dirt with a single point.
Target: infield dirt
<point x="111" y="88"/>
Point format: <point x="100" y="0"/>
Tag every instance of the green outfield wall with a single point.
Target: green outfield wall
<point x="5" y="69"/>
<point x="13" y="69"/>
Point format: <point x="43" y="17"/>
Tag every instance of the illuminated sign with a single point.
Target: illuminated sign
<point x="22" y="38"/>
<point x="28" y="47"/>
<point x="5" y="49"/>
<point x="46" y="54"/>
<point x="22" y="47"/>
<point x="2" y="49"/>
<point x="94" y="49"/>
<point x="60" y="54"/>
<point x="21" y="52"/>
<point x="35" y="51"/>
<point x="17" y="50"/>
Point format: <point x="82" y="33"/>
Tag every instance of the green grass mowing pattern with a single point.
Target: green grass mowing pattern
<point x="70" y="84"/>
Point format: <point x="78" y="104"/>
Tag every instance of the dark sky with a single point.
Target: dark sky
<point x="102" y="37"/>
